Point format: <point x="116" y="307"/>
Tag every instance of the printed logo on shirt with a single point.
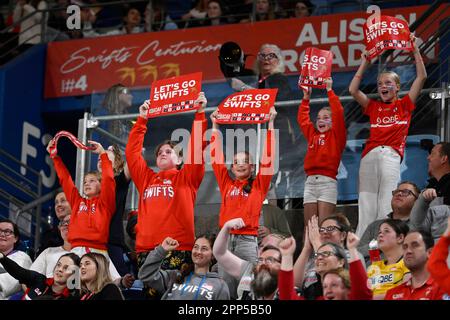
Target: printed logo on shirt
<point x="93" y="208"/>
<point x="167" y="181"/>
<point x="382" y="279"/>
<point x="159" y="191"/>
<point x="83" y="207"/>
<point x="205" y="291"/>
<point x="398" y="296"/>
<point x="237" y="192"/>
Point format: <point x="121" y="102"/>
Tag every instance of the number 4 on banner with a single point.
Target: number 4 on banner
<point x="81" y="83"/>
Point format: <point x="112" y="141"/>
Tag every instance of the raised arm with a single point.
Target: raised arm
<point x="133" y="151"/>
<point x="286" y="276"/>
<point x="24" y="276"/>
<point x="357" y="94"/>
<point x="421" y="73"/>
<point x="337" y="113"/>
<point x="266" y="169"/>
<point x="437" y="264"/>
<point x="231" y="263"/>
<point x="358" y="275"/>
<point x="303" y="119"/>
<point x="300" y="264"/>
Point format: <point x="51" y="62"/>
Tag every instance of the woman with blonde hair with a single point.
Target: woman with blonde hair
<point x="96" y="282"/>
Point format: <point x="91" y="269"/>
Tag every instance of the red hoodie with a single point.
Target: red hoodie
<point x="167" y="198"/>
<point x="437" y="264"/>
<point x="236" y="203"/>
<point x="324" y="149"/>
<point x="90" y="219"/>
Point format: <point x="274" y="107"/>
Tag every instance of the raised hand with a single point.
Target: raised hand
<point x="352" y="241"/>
<point x="272" y="116"/>
<point x="169" y="244"/>
<point x="313" y="230"/>
<point x="50" y="147"/>
<point x="306" y="93"/>
<point x="98" y="147"/>
<point x="201" y="102"/>
<point x="143" y="109"/>
<point x="287" y="246"/>
<point x="329" y="83"/>
<point x="234" y="224"/>
<point x="429" y="194"/>
<point x="213" y="117"/>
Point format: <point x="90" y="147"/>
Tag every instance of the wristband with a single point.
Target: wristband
<point x="357" y="76"/>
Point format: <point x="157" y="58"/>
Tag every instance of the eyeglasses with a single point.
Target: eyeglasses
<point x="64" y="223"/>
<point x="329" y="229"/>
<point x="268" y="260"/>
<point x="269" y="56"/>
<point x="6" y="232"/>
<point x="324" y="254"/>
<point x="403" y="193"/>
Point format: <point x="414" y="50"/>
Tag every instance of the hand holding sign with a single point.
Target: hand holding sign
<point x="143" y="109"/>
<point x="201" y="102"/>
<point x="250" y="106"/>
<point x="316" y="67"/>
<point x="174" y="95"/>
<point x="389" y="33"/>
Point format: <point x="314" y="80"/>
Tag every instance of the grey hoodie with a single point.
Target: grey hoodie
<point x="194" y="287"/>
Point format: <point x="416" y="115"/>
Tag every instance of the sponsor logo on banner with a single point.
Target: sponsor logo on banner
<point x="174" y="95"/>
<point x="316" y="68"/>
<point x="246" y="107"/>
<point x="386" y="34"/>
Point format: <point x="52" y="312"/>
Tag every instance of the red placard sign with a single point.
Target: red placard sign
<point x="316" y="68"/>
<point x="174" y="95"/>
<point x="246" y="107"/>
<point x="386" y="34"/>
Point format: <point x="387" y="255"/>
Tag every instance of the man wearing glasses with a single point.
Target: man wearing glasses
<point x="403" y="199"/>
<point x="9" y="240"/>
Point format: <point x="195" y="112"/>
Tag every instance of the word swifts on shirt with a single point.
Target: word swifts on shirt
<point x="386" y="34"/>
<point x="246" y="107"/>
<point x="174" y="95"/>
<point x="316" y="68"/>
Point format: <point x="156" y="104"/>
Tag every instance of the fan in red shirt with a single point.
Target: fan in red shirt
<point x="390" y="118"/>
<point x="326" y="142"/>
<point x="437" y="265"/>
<point x="167" y="197"/>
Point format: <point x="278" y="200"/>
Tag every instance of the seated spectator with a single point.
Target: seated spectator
<point x="131" y="24"/>
<point x="337" y="283"/>
<point x="214" y="15"/>
<point x="176" y="9"/>
<point x="256" y="281"/>
<point x="46" y="261"/>
<point x="402" y="202"/>
<point x="96" y="282"/>
<point x="9" y="241"/>
<point x="390" y="272"/>
<point x="437" y="264"/>
<point x="31" y="32"/>
<point x="417" y="247"/>
<point x="40" y="286"/>
<point x="172" y="284"/>
<point x="198" y="12"/>
<point x="156" y="18"/>
<point x="264" y="11"/>
<point x="302" y="9"/>
<point x="106" y="16"/>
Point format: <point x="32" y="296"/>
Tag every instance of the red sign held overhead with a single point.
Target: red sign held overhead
<point x="246" y="107"/>
<point x="174" y="95"/>
<point x="386" y="34"/>
<point x="316" y="68"/>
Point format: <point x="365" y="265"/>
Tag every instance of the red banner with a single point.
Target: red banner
<point x="249" y="106"/>
<point x="316" y="68"/>
<point x="80" y="67"/>
<point x="386" y="34"/>
<point x="174" y="95"/>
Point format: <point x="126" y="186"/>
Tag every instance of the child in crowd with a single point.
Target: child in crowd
<point x="390" y="118"/>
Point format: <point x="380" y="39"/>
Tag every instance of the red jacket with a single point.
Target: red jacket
<point x="167" y="198"/>
<point x="324" y="149"/>
<point x="90" y="219"/>
<point x="437" y="264"/>
<point x="236" y="203"/>
<point x="358" y="279"/>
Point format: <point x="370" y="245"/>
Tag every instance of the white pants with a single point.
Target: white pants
<point x="80" y="251"/>
<point x="379" y="174"/>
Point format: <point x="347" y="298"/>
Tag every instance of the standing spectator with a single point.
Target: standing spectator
<point x="417" y="247"/>
<point x="302" y="9"/>
<point x="403" y="199"/>
<point x="118" y="100"/>
<point x="390" y="272"/>
<point x="326" y="142"/>
<point x="243" y="196"/>
<point x="198" y="12"/>
<point x="172" y="284"/>
<point x="52" y="238"/>
<point x="264" y="11"/>
<point x="437" y="265"/>
<point x="31" y="28"/>
<point x="9" y="241"/>
<point x="46" y="261"/>
<point x="166" y="204"/>
<point x="40" y="286"/>
<point x="215" y="15"/>
<point x="96" y="283"/>
<point x="116" y="242"/>
<point x="256" y="280"/>
<point x="379" y="170"/>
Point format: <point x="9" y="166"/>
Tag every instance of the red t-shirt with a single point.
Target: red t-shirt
<point x="389" y="124"/>
<point x="428" y="291"/>
<point x="324" y="149"/>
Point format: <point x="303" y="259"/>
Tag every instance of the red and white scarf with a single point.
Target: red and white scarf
<point x="75" y="141"/>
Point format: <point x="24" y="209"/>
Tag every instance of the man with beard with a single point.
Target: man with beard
<point x="417" y="247"/>
<point x="258" y="281"/>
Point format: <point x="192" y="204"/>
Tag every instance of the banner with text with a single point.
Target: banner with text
<point x="389" y="33"/>
<point x="246" y="107"/>
<point x="316" y="68"/>
<point x="174" y="95"/>
<point x="80" y="67"/>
